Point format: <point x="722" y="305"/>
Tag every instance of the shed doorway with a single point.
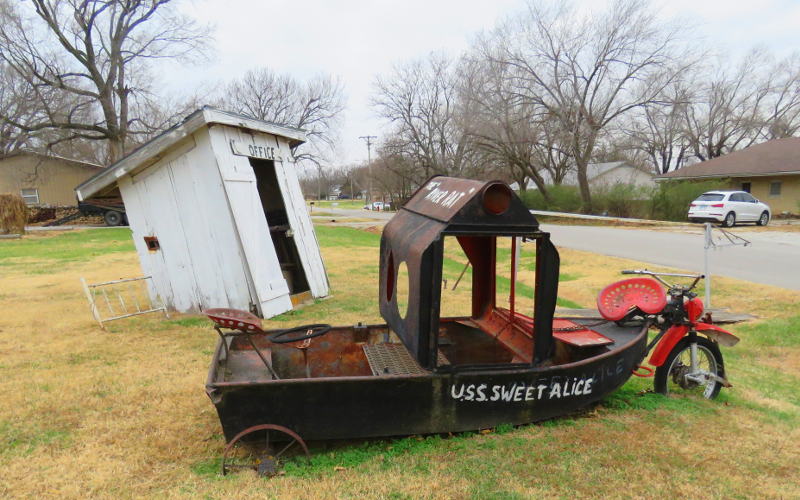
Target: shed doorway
<point x="279" y="229"/>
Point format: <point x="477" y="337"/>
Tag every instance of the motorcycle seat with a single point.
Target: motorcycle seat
<point x="618" y="299"/>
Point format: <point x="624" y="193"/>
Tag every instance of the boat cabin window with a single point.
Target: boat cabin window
<point x="275" y="210"/>
<point x="486" y="318"/>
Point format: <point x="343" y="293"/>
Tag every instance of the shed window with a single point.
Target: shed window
<point x="30" y="196"/>
<point x="775" y="188"/>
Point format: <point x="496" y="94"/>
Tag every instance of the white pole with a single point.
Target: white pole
<point x="706" y="271"/>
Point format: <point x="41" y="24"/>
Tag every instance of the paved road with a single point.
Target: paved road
<point x="773" y="258"/>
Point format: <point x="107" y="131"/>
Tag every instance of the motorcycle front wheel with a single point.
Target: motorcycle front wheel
<point x="675" y="375"/>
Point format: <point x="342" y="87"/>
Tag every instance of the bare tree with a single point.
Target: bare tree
<point x="756" y="100"/>
<point x="657" y="130"/>
<point x="587" y="71"/>
<point x="315" y="106"/>
<point x="782" y="110"/>
<point x="95" y="54"/>
<point x="421" y="101"/>
<point x="16" y="99"/>
<point x="518" y="137"/>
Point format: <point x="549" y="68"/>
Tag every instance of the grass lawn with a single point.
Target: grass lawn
<point x="124" y="413"/>
<point x="326" y="204"/>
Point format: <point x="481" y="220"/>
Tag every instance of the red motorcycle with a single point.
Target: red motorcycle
<point x="685" y="352"/>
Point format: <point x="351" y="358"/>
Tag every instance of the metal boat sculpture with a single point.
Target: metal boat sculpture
<point x="421" y="373"/>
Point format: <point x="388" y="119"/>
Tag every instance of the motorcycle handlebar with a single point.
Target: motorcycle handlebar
<point x="651" y="273"/>
<point x="696" y="277"/>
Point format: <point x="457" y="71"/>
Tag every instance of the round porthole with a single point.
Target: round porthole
<point x="390" y="274"/>
<point x="497" y="198"/>
<point x="403" y="289"/>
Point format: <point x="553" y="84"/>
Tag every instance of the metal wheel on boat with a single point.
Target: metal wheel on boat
<point x="675" y="376"/>
<point x="278" y="444"/>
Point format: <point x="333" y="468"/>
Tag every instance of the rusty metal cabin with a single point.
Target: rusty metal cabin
<point x="217" y="215"/>
<point x="476" y="213"/>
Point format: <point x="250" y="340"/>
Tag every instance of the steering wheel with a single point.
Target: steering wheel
<point x="284" y="336"/>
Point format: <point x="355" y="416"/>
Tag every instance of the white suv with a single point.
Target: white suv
<point x="729" y="208"/>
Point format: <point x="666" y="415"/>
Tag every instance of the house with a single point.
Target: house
<point x="770" y="171"/>
<point x="601" y="175"/>
<point x="217" y="215"/>
<point x="43" y="179"/>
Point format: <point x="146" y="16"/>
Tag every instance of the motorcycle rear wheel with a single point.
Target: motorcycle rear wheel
<point x="671" y="376"/>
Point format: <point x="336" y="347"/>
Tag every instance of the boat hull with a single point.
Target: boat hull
<point x="457" y="400"/>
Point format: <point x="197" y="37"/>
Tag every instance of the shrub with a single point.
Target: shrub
<point x="13" y="214"/>
<point x="672" y="198"/>
<point x="562" y="199"/>
<point x="623" y="200"/>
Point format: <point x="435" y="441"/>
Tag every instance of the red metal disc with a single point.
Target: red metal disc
<point x="617" y="299"/>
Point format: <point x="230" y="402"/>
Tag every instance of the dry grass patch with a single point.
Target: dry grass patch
<point x="124" y="413"/>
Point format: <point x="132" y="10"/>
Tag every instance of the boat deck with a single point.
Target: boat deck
<point x="375" y="351"/>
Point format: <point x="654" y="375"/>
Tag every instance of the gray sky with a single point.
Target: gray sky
<point x="359" y="39"/>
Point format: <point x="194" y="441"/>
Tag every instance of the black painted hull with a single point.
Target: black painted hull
<point x="375" y="406"/>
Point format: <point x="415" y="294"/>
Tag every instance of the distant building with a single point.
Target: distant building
<point x="43" y="180"/>
<point x="602" y="175"/>
<point x="770" y="171"/>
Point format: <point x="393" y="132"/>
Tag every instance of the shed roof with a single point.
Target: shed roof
<point x="775" y="157"/>
<point x="193" y="122"/>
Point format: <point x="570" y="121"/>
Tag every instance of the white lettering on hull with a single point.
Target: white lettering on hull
<point x="520" y="391"/>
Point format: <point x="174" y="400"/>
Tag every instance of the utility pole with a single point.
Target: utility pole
<point x="368" y="140"/>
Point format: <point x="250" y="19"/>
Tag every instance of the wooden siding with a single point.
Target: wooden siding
<point x="180" y="200"/>
<point x="54" y="178"/>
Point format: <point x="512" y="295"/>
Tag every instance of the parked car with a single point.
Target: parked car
<point x="729" y="208"/>
<point x="376" y="205"/>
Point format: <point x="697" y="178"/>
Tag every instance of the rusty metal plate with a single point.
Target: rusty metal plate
<point x="442" y="197"/>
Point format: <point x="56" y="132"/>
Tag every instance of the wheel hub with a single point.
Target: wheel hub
<point x="267" y="467"/>
<point x="680" y="377"/>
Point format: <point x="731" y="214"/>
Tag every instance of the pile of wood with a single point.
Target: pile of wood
<point x="13" y="214"/>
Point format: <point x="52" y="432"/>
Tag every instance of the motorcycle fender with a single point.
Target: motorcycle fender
<point x="667" y="342"/>
<point x="717" y="334"/>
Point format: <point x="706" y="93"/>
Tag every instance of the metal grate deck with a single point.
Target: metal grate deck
<point x="394" y="359"/>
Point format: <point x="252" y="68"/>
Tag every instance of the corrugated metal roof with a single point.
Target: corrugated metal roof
<point x="775" y="157"/>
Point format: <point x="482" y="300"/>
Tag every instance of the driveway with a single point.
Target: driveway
<point x="773" y="258"/>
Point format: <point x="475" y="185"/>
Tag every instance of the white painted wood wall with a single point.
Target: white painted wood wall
<point x="201" y="201"/>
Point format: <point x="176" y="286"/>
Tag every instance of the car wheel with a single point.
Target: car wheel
<point x="730" y="220"/>
<point x="764" y="219"/>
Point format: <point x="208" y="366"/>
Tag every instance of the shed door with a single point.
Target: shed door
<point x="253" y="233"/>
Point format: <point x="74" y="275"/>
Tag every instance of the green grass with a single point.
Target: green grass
<point x="344" y="204"/>
<point x="15" y="440"/>
<point x="346" y="237"/>
<point x="45" y="254"/>
<point x="781" y="332"/>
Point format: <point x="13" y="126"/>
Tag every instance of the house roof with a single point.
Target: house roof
<point x="49" y="156"/>
<point x="156" y="146"/>
<point x="593" y="171"/>
<point x="775" y="157"/>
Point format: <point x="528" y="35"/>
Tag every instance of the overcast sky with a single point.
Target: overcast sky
<point x="359" y="39"/>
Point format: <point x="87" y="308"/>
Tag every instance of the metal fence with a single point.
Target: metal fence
<point x="122" y="298"/>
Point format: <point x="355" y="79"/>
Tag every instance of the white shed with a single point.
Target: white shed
<point x="217" y="215"/>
